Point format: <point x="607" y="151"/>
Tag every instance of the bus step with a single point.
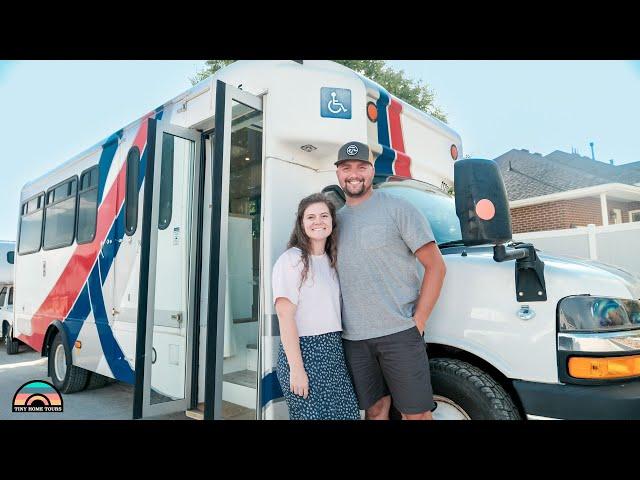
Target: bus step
<point x="230" y="411"/>
<point x="245" y="320"/>
<point x="196" y="413"/>
<point x="246" y="378"/>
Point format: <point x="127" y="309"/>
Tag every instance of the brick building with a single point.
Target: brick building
<point x="562" y="190"/>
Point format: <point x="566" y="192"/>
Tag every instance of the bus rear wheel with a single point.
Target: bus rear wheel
<point x="65" y="376"/>
<point x="463" y="391"/>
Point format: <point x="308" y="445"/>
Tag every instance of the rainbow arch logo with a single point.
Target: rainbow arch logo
<point x="37" y="396"/>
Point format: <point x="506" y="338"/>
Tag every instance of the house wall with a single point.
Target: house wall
<point x="565" y="214"/>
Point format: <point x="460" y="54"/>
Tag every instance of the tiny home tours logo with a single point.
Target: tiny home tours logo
<point x="37" y="396"/>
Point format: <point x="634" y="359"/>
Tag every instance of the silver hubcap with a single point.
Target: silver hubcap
<point x="448" y="410"/>
<point x="60" y="363"/>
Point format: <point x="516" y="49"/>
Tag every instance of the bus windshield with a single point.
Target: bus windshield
<point x="439" y="208"/>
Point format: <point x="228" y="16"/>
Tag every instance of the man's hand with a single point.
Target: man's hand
<point x="420" y="324"/>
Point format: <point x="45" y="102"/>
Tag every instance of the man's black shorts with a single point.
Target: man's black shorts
<point x="395" y="364"/>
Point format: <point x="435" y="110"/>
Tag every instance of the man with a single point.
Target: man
<point x="385" y="308"/>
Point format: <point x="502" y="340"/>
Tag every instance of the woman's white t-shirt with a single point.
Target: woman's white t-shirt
<point x="318" y="300"/>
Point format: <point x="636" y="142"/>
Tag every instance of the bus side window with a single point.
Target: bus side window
<point x="3" y="295"/>
<point x="30" y="237"/>
<point x="10" y="301"/>
<point x="166" y="182"/>
<point x="131" y="195"/>
<point x="88" y="205"/>
<point x="60" y="216"/>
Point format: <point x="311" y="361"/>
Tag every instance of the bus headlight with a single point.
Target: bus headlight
<point x="597" y="314"/>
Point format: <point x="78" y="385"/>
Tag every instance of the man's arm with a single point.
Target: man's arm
<point x="434" y="272"/>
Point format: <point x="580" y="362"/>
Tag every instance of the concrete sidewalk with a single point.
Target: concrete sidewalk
<point x="112" y="402"/>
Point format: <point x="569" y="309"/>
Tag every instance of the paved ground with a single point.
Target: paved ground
<point x="112" y="402"/>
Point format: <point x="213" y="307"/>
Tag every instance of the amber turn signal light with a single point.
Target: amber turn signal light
<point x="599" y="368"/>
<point x="454" y="152"/>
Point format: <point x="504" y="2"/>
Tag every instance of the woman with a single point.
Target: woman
<point x="311" y="367"/>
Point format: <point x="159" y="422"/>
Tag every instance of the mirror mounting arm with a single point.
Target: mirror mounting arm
<point x="500" y="253"/>
<point x="530" y="283"/>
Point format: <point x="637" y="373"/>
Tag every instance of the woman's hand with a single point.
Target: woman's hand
<point x="299" y="382"/>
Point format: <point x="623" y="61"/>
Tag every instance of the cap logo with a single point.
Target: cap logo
<point x="352" y="150"/>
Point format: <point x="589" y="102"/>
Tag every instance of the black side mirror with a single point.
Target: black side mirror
<point x="10" y="257"/>
<point x="483" y="210"/>
<point x="481" y="202"/>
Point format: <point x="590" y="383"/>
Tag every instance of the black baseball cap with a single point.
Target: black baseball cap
<point x="354" y="151"/>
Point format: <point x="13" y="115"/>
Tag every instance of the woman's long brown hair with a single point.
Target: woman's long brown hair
<point x="301" y="240"/>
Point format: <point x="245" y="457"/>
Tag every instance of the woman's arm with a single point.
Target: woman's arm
<point x="299" y="382"/>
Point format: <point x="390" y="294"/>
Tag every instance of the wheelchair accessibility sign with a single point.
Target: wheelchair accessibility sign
<point x="335" y="102"/>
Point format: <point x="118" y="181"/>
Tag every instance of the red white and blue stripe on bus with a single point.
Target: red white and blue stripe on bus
<point x="393" y="160"/>
<point x="78" y="291"/>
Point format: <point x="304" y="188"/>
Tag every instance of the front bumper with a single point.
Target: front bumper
<point x="619" y="401"/>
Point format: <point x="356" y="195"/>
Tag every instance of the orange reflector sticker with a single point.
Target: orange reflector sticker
<point x="372" y="111"/>
<point x="485" y="209"/>
<point x="603" y="368"/>
<point x="78" y="344"/>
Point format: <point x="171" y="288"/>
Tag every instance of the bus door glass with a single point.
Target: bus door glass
<point x="168" y="331"/>
<point x="233" y="371"/>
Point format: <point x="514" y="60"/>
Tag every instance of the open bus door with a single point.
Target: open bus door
<point x="222" y="309"/>
<point x="164" y="339"/>
<point x="232" y="365"/>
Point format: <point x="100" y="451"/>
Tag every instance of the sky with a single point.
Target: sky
<point x="53" y="110"/>
<point x="540" y="106"/>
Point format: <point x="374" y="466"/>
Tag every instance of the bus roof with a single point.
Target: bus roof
<point x="257" y="73"/>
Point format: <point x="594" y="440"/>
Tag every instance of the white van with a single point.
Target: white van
<point x="147" y="258"/>
<point x="7" y="256"/>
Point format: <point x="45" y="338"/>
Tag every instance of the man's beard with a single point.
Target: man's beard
<point x="357" y="194"/>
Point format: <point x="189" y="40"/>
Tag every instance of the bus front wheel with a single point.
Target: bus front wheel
<point x="65" y="376"/>
<point x="463" y="391"/>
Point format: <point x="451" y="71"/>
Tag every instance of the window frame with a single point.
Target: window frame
<point x="44" y="198"/>
<point x="128" y="195"/>
<point x="78" y="192"/>
<point x="10" y="297"/>
<point x="75" y="213"/>
<point x="631" y="212"/>
<point x="4" y="290"/>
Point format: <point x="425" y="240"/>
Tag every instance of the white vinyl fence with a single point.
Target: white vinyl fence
<point x="613" y="244"/>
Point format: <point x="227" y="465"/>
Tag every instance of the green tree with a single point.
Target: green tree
<point x="414" y="92"/>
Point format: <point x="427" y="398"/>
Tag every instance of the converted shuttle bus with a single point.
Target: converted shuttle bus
<point x="147" y="258"/>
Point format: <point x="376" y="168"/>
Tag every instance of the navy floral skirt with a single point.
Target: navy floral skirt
<point x="331" y="394"/>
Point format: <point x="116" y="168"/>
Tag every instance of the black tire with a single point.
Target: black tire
<point x="97" y="381"/>
<point x="476" y="392"/>
<point x="75" y="378"/>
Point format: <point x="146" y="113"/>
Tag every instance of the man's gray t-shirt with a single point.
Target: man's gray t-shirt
<point x="377" y="267"/>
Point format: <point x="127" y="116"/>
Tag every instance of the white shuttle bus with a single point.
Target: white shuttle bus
<point x="147" y="258"/>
